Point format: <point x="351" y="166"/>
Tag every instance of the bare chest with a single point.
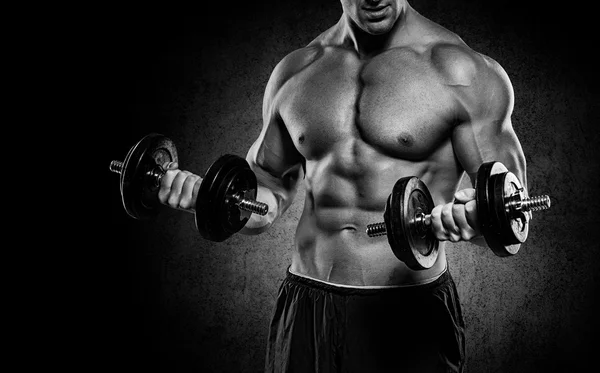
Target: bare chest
<point x="396" y="103"/>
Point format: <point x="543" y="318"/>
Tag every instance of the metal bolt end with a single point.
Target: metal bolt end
<point x="155" y="175"/>
<point x="536" y="203"/>
<point x="256" y="207"/>
<point x="377" y="229"/>
<point x="116" y="166"/>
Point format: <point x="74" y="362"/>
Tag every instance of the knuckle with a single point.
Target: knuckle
<point x="436" y="213"/>
<point x="466" y="234"/>
<point x="163" y="194"/>
<point x="440" y="232"/>
<point x="447" y="208"/>
<point x="441" y="236"/>
<point x="170" y="175"/>
<point x="173" y="200"/>
<point x="454" y="230"/>
<point x="471" y="207"/>
<point x="458" y="209"/>
<point x="185" y="203"/>
<point x="191" y="180"/>
<point x="180" y="176"/>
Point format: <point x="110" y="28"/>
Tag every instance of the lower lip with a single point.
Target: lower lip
<point x="374" y="14"/>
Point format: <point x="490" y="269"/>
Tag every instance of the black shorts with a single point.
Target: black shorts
<point x="318" y="327"/>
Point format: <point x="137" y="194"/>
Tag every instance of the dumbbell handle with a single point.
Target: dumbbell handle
<point x="423" y="221"/>
<point x="155" y="175"/>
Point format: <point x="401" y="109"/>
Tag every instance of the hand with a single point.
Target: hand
<point x="456" y="221"/>
<point x="178" y="188"/>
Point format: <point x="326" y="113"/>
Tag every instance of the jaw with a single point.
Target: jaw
<point x="371" y="35"/>
<point x="376" y="18"/>
<point x="377" y="27"/>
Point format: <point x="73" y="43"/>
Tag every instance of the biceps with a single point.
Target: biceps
<point x="479" y="142"/>
<point x="275" y="159"/>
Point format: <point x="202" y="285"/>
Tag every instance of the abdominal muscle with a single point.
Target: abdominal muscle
<point x="332" y="244"/>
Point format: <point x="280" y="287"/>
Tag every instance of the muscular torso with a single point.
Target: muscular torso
<point x="361" y="124"/>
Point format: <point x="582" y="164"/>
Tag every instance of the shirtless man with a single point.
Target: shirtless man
<point x="384" y="93"/>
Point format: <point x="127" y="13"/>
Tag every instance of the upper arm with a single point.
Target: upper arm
<point x="484" y="131"/>
<point x="273" y="157"/>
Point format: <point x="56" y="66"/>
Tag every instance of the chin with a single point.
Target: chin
<point x="378" y="28"/>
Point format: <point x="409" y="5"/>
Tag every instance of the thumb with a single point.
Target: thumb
<point x="464" y="195"/>
<point x="170" y="166"/>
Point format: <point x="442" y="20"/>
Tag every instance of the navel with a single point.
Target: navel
<point x="301" y="139"/>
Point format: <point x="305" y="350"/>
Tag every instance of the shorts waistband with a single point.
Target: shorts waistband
<point x="350" y="289"/>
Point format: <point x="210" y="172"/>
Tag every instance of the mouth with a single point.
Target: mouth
<point x="377" y="12"/>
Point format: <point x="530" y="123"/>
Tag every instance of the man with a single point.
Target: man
<point x="383" y="94"/>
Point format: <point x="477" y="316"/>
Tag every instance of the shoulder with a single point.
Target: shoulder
<point x="480" y="82"/>
<point x="458" y="64"/>
<point x="292" y="64"/>
<point x="462" y="66"/>
<point x="299" y="59"/>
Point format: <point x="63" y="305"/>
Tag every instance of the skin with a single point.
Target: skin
<point x="383" y="94"/>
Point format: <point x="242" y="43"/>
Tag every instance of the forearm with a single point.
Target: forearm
<point x="277" y="188"/>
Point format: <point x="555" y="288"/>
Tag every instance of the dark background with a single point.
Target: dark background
<point x="157" y="297"/>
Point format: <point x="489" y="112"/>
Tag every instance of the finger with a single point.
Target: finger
<point x="187" y="198"/>
<point x="467" y="232"/>
<point x="170" y="166"/>
<point x="176" y="188"/>
<point x="464" y="195"/>
<point x="165" y="185"/>
<point x="449" y="223"/>
<point x="471" y="215"/>
<point x="436" y="224"/>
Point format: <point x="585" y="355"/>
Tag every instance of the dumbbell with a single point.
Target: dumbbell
<point x="503" y="213"/>
<point x="226" y="197"/>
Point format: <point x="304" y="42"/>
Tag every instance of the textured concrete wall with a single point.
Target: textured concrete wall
<point x="174" y="302"/>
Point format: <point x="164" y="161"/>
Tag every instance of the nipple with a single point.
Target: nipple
<point x="405" y="139"/>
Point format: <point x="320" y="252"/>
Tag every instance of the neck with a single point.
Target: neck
<point x="366" y="44"/>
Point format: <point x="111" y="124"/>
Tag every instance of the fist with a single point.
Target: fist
<point x="178" y="188"/>
<point x="457" y="220"/>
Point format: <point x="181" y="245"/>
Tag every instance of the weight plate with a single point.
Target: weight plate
<point x="240" y="181"/>
<point x="489" y="221"/>
<point x="206" y="201"/>
<point x="217" y="218"/>
<point x="139" y="193"/>
<point x="514" y="227"/>
<point x="411" y="242"/>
